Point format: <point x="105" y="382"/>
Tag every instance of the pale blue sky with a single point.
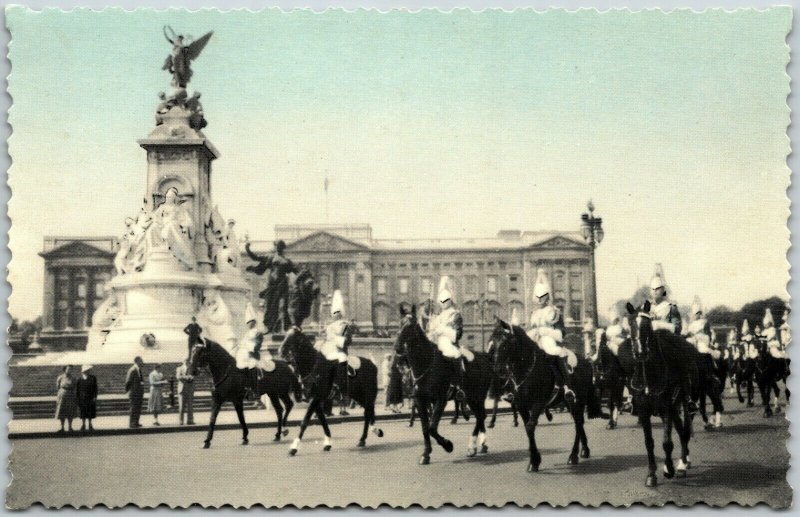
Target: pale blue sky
<point x="429" y="124"/>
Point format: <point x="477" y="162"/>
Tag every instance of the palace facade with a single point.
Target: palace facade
<point x="492" y="276"/>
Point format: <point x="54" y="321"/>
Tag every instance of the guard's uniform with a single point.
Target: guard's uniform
<point x="698" y="331"/>
<point x="770" y="335"/>
<point x="616" y="333"/>
<point x="445" y="329"/>
<point x="666" y="317"/>
<point x="338" y="337"/>
<point x="748" y="347"/>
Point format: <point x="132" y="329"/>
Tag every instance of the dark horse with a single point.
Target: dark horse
<point x="768" y="371"/>
<point x="654" y="361"/>
<point x="230" y="382"/>
<point x="433" y="375"/>
<point x="612" y="380"/>
<point x="319" y="377"/>
<point x="532" y="373"/>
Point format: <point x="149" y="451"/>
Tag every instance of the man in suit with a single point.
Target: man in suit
<point x="185" y="393"/>
<point x="134" y="387"/>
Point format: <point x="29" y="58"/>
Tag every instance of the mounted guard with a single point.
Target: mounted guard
<point x="250" y="356"/>
<point x="770" y="335"/>
<point x="339" y="336"/>
<point x="665" y="316"/>
<point x="445" y="329"/>
<point x="616" y="332"/>
<point x="547" y="329"/>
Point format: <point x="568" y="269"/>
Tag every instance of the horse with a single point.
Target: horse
<point x="319" y="377"/>
<point x="498" y="390"/>
<point x="613" y="380"/>
<point x="230" y="383"/>
<point x="433" y="375"/>
<point x="742" y="371"/>
<point x="768" y="372"/>
<point x="711" y="385"/>
<point x="532" y="375"/>
<point x="654" y="361"/>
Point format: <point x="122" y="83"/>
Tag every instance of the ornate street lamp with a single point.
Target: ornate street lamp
<point x="592" y="230"/>
<point x="482" y="306"/>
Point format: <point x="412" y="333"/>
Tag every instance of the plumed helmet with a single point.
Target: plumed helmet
<point x="249" y="314"/>
<point x="697" y="306"/>
<point x="445" y="291"/>
<point x="515" y="318"/>
<point x="768" y="319"/>
<point x="542" y="286"/>
<point x="337" y="303"/>
<point x="745" y="328"/>
<point x="786" y="317"/>
<point x="658" y="278"/>
<point x="732" y="336"/>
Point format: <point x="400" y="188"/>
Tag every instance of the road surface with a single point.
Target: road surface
<point x="746" y="461"/>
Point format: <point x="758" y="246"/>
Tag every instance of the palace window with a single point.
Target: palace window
<point x="491" y="284"/>
<point x="559" y="284"/>
<point x="380" y="285"/>
<point x="576" y="285"/>
<point x="513" y="283"/>
<point x="576" y="311"/>
<point x="402" y="285"/>
<point x="426" y="285"/>
<point x="471" y="284"/>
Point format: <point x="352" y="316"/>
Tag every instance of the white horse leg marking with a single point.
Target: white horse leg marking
<point x="326" y="442"/>
<point x="481" y="438"/>
<point x="471" y="442"/>
<point x="615" y="414"/>
<point x="681" y="465"/>
<point x="295" y="444"/>
<point x="717" y="419"/>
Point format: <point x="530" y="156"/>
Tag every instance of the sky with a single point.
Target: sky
<point x="428" y="124"/>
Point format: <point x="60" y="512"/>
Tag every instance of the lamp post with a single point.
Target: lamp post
<point x="592" y="230"/>
<point x="482" y="306"/>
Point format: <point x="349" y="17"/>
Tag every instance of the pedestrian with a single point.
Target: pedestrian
<point x="155" y="403"/>
<point x="386" y="373"/>
<point x="134" y="387"/>
<point x="185" y="393"/>
<point x="193" y="330"/>
<point x="66" y="399"/>
<point x="86" y="389"/>
<point x="394" y="392"/>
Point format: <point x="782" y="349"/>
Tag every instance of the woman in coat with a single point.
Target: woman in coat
<point x="86" y="389"/>
<point x="66" y="399"/>
<point x="155" y="402"/>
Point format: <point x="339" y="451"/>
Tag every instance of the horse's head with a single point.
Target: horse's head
<point x="641" y="325"/>
<point x="501" y="343"/>
<point x="408" y="331"/>
<point x="198" y="358"/>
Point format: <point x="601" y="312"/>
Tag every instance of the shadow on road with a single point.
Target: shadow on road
<point x="742" y="475"/>
<point x="746" y="429"/>
<point x="514" y="456"/>
<point x="600" y="465"/>
<point x="381" y="445"/>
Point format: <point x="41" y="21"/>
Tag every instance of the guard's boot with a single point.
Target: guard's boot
<point x="564" y="369"/>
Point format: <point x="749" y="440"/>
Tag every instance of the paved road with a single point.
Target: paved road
<point x="746" y="462"/>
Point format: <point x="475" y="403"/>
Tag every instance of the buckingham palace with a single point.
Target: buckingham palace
<point x="491" y="275"/>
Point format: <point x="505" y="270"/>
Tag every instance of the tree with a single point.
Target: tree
<point x="754" y="311"/>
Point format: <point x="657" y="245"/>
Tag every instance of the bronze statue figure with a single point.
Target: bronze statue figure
<point x="179" y="61"/>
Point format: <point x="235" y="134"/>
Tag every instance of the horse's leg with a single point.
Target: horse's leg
<point x="645" y="410"/>
<point x="312" y="407"/>
<point x="368" y="417"/>
<point x="530" y="420"/>
<point x="478" y="438"/>
<point x="764" y="388"/>
<point x="276" y="404"/>
<point x="436" y="416"/>
<point x="585" y="452"/>
<point x="215" y="405"/>
<point x="454" y="420"/>
<point x="287" y="407"/>
<point x="422" y="407"/>
<point x="495" y="403"/>
<point x="515" y="413"/>
<point x="684" y="429"/>
<point x="239" y="406"/>
<point x="323" y="420"/>
<point x="750" y="391"/>
<point x="667" y="420"/>
<point x="738" y="389"/>
<point x="577" y="417"/>
<point x="413" y="405"/>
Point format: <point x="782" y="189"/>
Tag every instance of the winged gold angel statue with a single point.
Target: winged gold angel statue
<point x="183" y="53"/>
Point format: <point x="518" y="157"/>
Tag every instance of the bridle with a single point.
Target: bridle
<point x="510" y="340"/>
<point x="202" y="346"/>
<point x="415" y="379"/>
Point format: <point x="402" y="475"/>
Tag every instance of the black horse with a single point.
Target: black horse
<point x="532" y="374"/>
<point x="768" y="372"/>
<point x="711" y="385"/>
<point x="320" y="377"/>
<point x="612" y="380"/>
<point x="433" y="375"/>
<point x="742" y="372"/>
<point x="655" y="361"/>
<point x="230" y="383"/>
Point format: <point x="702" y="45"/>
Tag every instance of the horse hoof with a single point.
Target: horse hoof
<point x="491" y="425"/>
<point x="611" y="425"/>
<point x="206" y="445"/>
<point x="669" y="471"/>
<point x="448" y="446"/>
<point x="680" y="473"/>
<point x="484" y="448"/>
<point x="708" y="426"/>
<point x="327" y="448"/>
<point x="292" y="452"/>
<point x="361" y="443"/>
<point x="585" y="453"/>
<point x="245" y="441"/>
<point x="379" y="433"/>
<point x="454" y="421"/>
<point x="472" y="452"/>
<point x="277" y="438"/>
<point x="533" y="468"/>
<point x="651" y="481"/>
<point x="424" y="460"/>
<point x="516" y="424"/>
<point x="285" y="432"/>
<point x="573" y="459"/>
<point x="767" y="414"/>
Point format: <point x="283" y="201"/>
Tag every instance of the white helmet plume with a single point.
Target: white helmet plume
<point x="542" y="286"/>
<point x="250" y="314"/>
<point x="445" y="293"/>
<point x="658" y="278"/>
<point x="337" y="303"/>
